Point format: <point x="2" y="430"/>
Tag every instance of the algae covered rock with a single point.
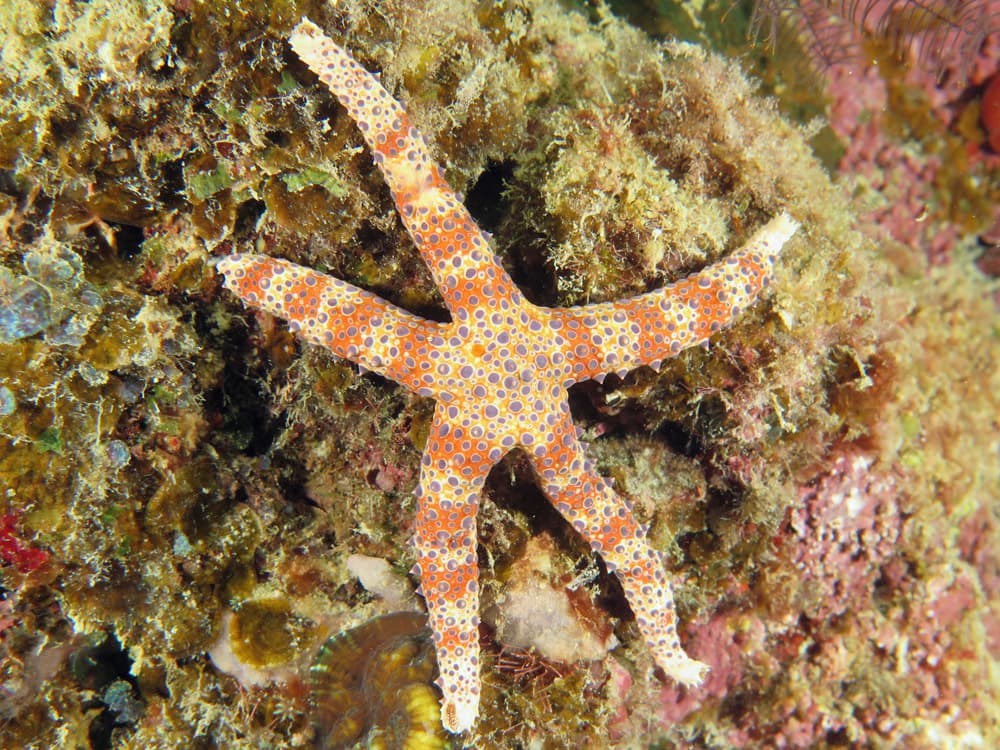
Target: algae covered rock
<point x="170" y="462"/>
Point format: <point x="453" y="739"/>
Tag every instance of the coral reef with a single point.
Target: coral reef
<point x="906" y="84"/>
<point x="171" y="461"/>
<point x="372" y="686"/>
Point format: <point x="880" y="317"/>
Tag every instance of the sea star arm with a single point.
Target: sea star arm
<point x="605" y="520"/>
<point x="454" y="467"/>
<point x="350" y="322"/>
<point x="454" y="248"/>
<point x="644" y="330"/>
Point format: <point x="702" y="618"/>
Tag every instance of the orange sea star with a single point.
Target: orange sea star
<point x="499" y="372"/>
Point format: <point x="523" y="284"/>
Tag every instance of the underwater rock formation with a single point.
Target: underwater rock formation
<point x="174" y="457"/>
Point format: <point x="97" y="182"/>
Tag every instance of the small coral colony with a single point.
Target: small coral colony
<point x="498" y="372"/>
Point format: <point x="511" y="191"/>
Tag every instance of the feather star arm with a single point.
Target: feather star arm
<point x="350" y="322"/>
<point x="449" y="240"/>
<point x="644" y="330"/>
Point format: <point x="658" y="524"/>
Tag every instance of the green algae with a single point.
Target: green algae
<point x="312" y="176"/>
<point x="142" y="139"/>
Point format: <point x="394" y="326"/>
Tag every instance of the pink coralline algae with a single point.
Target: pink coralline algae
<point x="860" y="611"/>
<point x="14" y="550"/>
<point x="976" y="543"/>
<point x="724" y="643"/>
<point x="910" y="149"/>
<point x="990" y="114"/>
<point x="840" y="533"/>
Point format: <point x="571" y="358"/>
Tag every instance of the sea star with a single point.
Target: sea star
<point x="499" y="373"/>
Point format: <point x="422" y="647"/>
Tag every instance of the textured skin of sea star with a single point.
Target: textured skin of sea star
<point x="499" y="372"/>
